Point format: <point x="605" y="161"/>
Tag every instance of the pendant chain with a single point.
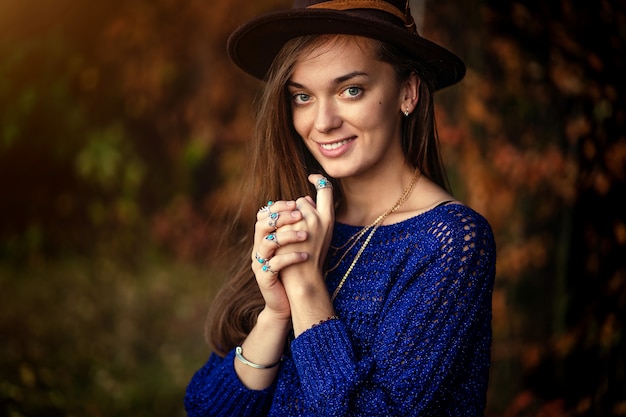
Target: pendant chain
<point x="372" y="227"/>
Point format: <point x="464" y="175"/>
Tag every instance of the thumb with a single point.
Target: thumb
<point x="324" y="199"/>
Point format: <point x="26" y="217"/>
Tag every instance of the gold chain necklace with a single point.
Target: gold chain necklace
<point x="373" y="227"/>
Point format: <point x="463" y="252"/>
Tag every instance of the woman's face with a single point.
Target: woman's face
<point x="347" y="107"/>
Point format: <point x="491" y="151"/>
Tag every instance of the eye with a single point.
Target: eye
<point x="352" y="92"/>
<point x="301" y="98"/>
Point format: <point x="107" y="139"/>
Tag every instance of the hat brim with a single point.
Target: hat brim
<point x="253" y="46"/>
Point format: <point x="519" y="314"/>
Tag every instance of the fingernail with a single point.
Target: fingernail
<point x="304" y="255"/>
<point x="291" y="203"/>
<point x="301" y="235"/>
<point x="295" y="214"/>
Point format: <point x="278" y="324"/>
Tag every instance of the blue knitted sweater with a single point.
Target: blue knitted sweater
<point x="412" y="339"/>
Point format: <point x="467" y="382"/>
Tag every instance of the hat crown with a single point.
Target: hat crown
<point x="398" y="8"/>
<point x="303" y="4"/>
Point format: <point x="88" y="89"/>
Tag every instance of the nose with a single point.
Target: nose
<point x="327" y="117"/>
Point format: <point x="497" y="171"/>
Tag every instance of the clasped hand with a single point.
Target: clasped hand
<point x="291" y="240"/>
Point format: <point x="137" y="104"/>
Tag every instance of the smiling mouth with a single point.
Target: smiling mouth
<point x="334" y="145"/>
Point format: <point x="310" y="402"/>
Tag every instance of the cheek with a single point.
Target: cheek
<point x="302" y="127"/>
<point x="300" y="124"/>
<point x="369" y="117"/>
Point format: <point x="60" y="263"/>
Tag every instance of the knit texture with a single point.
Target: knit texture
<point x="412" y="339"/>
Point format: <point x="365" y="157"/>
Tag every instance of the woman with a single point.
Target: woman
<point x="374" y="298"/>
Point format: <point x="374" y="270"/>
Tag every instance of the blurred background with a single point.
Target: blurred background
<point x="123" y="130"/>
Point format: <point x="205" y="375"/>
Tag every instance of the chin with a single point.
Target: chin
<point x="337" y="172"/>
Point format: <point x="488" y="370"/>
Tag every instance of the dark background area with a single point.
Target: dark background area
<point x="123" y="130"/>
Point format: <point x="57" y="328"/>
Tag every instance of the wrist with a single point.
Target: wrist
<point x="311" y="311"/>
<point x="272" y="320"/>
<point x="257" y="358"/>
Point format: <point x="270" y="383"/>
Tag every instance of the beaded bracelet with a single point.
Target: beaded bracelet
<point x="325" y="320"/>
<point x="239" y="355"/>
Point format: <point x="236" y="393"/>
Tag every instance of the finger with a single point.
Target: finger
<point x="275" y="264"/>
<point x="275" y="207"/>
<point x="268" y="246"/>
<point x="284" y="238"/>
<point x="324" y="198"/>
<point x="270" y="223"/>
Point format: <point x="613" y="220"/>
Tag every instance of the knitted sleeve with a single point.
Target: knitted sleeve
<point x="430" y="351"/>
<point x="215" y="390"/>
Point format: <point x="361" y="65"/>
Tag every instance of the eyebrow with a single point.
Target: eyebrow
<point x="336" y="81"/>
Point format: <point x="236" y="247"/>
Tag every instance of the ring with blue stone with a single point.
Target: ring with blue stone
<point x="259" y="259"/>
<point x="272" y="238"/>
<point x="273" y="220"/>
<point x="323" y="183"/>
<point x="267" y="268"/>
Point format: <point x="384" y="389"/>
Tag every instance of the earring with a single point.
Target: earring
<point x="407" y="112"/>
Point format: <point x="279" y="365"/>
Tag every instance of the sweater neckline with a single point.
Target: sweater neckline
<point x="409" y="220"/>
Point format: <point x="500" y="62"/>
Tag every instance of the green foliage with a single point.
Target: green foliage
<point x="95" y="338"/>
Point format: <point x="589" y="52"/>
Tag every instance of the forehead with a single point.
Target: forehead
<point x="329" y="51"/>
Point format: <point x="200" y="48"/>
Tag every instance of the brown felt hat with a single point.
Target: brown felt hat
<point x="254" y="45"/>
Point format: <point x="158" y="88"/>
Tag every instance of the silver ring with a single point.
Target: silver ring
<point x="272" y="238"/>
<point x="323" y="183"/>
<point x="265" y="207"/>
<point x="267" y="268"/>
<point x="259" y="259"/>
<point x="273" y="220"/>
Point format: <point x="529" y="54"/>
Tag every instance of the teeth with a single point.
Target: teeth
<point x="331" y="146"/>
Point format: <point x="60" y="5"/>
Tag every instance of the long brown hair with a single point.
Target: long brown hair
<point x="279" y="167"/>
